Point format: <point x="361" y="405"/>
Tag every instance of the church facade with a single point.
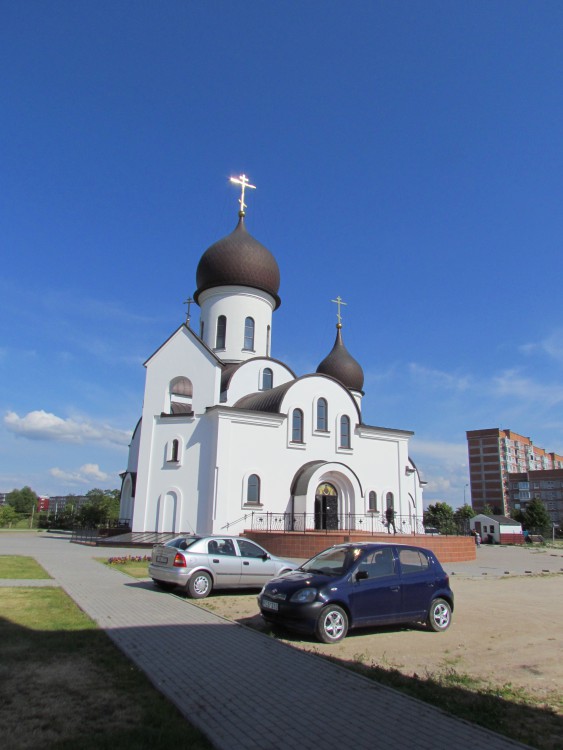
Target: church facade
<point x="231" y="437"/>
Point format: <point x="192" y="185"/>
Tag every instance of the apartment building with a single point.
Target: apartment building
<point x="494" y="454"/>
<point x="547" y="485"/>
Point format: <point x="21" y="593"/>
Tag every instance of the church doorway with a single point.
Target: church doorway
<point x="326" y="507"/>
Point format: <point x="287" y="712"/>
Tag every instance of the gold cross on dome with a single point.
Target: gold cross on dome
<point x="338" y="301"/>
<point x="244" y="183"/>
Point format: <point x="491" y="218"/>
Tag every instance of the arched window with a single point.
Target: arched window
<point x="253" y="489"/>
<point x="344" y="431"/>
<point x="322" y="414"/>
<point x="181" y="393"/>
<point x="221" y="337"/>
<point x="267" y="379"/>
<point x="297" y="426"/>
<point x="181" y="386"/>
<point x="175" y="450"/>
<point x="390" y="501"/>
<point x="201" y="329"/>
<point x="249" y="334"/>
<point x="372" y="501"/>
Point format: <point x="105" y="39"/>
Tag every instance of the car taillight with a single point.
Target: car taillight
<point x="179" y="561"/>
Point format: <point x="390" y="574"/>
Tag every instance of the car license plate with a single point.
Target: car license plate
<point x="161" y="559"/>
<point x="270" y="605"/>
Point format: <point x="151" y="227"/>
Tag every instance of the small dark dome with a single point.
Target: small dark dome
<point x="341" y="365"/>
<point x="238" y="259"/>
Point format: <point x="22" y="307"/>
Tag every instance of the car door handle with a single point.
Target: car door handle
<point x="215" y="560"/>
<point x="245" y="562"/>
<point x="395" y="588"/>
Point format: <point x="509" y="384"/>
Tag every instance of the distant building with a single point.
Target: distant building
<point x="546" y="485"/>
<point x="494" y="454"/>
<point x="58" y="503"/>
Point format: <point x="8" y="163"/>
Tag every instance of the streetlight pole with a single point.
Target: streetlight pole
<point x="464" y="488"/>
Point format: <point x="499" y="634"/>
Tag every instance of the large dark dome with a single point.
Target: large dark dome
<point x="340" y="364"/>
<point x="238" y="259"/>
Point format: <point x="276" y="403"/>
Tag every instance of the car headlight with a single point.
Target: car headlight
<point x="304" y="596"/>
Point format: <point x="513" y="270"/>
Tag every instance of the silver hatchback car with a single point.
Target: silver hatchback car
<point x="200" y="564"/>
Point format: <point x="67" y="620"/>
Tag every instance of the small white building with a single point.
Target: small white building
<point x="228" y="431"/>
<point x="497" y="529"/>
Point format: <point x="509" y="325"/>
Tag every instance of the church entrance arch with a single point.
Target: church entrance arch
<point x="326" y="506"/>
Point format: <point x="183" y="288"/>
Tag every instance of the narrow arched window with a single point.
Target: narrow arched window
<point x="221" y="337"/>
<point x="297" y="426"/>
<point x="175" y="451"/>
<point x="253" y="489"/>
<point x="249" y="334"/>
<point x="390" y="501"/>
<point x="322" y="414"/>
<point x="372" y="500"/>
<point x="267" y="379"/>
<point x="344" y="431"/>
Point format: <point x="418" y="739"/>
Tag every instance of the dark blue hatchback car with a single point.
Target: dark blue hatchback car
<point x="360" y="585"/>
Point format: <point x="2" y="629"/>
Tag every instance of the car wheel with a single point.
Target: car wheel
<point x="332" y="624"/>
<point x="200" y="585"/>
<point x="440" y="615"/>
<point x="164" y="585"/>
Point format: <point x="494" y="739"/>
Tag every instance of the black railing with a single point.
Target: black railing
<point x="91" y="533"/>
<point x="325" y="522"/>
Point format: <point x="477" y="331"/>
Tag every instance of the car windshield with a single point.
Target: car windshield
<point x="182" y="542"/>
<point x="332" y="562"/>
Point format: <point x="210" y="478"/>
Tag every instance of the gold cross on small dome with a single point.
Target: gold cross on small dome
<point x="244" y="183"/>
<point x="338" y="301"/>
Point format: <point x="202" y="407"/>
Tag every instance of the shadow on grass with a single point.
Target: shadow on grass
<point x="64" y="689"/>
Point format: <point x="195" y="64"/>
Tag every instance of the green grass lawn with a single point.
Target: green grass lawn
<point x="63" y="684"/>
<point x="18" y="566"/>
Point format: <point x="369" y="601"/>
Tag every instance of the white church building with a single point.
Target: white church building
<point x="231" y="438"/>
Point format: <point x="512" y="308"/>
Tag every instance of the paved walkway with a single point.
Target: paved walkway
<point x="243" y="689"/>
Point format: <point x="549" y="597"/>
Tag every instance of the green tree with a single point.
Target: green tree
<point x="440" y="515"/>
<point x="102" y="507"/>
<point x="22" y="501"/>
<point x="7" y="516"/>
<point x="536" y="518"/>
<point x="462" y="516"/>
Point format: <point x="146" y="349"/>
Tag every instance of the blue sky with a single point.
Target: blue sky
<point x="408" y="157"/>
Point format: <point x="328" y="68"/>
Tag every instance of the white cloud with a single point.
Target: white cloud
<point x="84" y="475"/>
<point x="42" y="425"/>
<point x="450" y="453"/>
<point x="439" y="378"/>
<point x="552" y="346"/>
<point x="512" y="384"/>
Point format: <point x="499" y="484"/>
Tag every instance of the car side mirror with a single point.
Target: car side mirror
<point x="265" y="556"/>
<point x="361" y="575"/>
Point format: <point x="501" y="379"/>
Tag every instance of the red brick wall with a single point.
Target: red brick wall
<point x="297" y="544"/>
<point x="512" y="539"/>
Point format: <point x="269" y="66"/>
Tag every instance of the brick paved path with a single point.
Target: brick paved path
<point x="243" y="689"/>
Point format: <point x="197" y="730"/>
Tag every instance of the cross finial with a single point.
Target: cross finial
<point x="244" y="183"/>
<point x="338" y="301"/>
<point x="189" y="303"/>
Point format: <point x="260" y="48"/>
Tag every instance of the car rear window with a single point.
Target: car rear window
<point x="413" y="561"/>
<point x="182" y="542"/>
